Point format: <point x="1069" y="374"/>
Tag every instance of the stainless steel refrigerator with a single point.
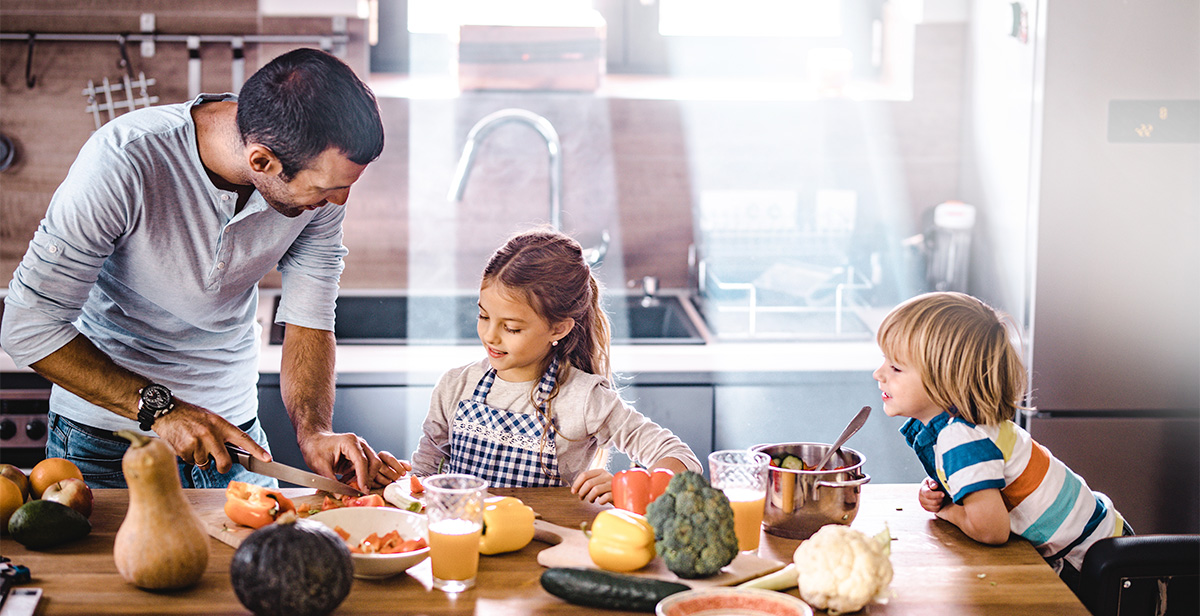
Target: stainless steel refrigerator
<point x="1110" y="295"/>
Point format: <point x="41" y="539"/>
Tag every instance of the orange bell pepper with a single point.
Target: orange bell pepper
<point x="635" y="488"/>
<point x="254" y="506"/>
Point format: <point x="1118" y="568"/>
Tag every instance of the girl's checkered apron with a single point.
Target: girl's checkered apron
<point x="506" y="449"/>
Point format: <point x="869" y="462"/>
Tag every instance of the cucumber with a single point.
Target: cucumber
<point x="793" y="463"/>
<point x="603" y="589"/>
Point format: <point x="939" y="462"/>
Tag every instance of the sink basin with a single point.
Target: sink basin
<point x="451" y="319"/>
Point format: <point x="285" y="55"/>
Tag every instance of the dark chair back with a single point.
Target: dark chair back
<point x="1154" y="575"/>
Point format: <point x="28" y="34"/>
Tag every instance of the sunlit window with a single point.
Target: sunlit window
<point x="749" y="18"/>
<point x="445" y="16"/>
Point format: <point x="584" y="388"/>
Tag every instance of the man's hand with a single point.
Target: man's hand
<point x="196" y="434"/>
<point x="333" y="454"/>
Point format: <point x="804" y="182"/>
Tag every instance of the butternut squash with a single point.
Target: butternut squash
<point x="162" y="543"/>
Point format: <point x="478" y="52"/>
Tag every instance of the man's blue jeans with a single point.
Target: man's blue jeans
<point x="98" y="457"/>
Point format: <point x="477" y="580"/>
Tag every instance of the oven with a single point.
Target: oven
<point x="24" y="404"/>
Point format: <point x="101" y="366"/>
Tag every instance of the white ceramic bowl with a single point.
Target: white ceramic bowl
<point x="362" y="521"/>
<point x="725" y="600"/>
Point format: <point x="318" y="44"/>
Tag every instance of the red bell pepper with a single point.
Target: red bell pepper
<point x="635" y="488"/>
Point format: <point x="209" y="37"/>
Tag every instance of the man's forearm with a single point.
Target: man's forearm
<point x="84" y="370"/>
<point x="306" y="379"/>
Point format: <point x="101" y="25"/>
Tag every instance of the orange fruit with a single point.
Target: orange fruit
<point x="10" y="501"/>
<point x="50" y="471"/>
<point x="17" y="476"/>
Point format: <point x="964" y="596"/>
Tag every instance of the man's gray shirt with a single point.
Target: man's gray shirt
<point x="141" y="253"/>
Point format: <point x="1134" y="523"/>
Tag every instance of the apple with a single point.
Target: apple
<point x="72" y="492"/>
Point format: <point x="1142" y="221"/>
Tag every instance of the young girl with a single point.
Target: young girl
<point x="539" y="407"/>
<point x="950" y="367"/>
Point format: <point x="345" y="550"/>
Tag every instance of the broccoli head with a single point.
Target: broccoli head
<point x="693" y="527"/>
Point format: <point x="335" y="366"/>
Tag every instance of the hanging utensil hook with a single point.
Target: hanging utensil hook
<point x="30" y="78"/>
<point x="123" y="40"/>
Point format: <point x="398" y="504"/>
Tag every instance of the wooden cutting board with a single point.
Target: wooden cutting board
<point x="221" y="528"/>
<point x="569" y="549"/>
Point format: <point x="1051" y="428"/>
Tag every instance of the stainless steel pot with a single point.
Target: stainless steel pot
<point x="800" y="502"/>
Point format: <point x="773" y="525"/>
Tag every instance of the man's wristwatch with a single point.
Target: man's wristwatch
<point x="154" y="401"/>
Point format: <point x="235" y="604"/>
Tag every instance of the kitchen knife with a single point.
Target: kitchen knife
<point x="287" y="473"/>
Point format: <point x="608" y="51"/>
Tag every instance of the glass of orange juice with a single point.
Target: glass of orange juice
<point x="742" y="476"/>
<point x="454" y="504"/>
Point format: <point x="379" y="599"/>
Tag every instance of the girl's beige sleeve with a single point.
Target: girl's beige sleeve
<point x="616" y="423"/>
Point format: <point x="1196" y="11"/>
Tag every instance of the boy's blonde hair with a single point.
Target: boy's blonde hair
<point x="961" y="348"/>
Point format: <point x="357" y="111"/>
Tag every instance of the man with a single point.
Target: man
<point x="137" y="296"/>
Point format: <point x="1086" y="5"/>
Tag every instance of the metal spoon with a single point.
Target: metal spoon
<point x="851" y="428"/>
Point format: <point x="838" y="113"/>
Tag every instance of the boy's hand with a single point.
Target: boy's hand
<point x="932" y="498"/>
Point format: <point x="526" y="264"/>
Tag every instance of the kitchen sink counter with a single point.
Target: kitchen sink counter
<point x="425" y="364"/>
<point x="421" y="364"/>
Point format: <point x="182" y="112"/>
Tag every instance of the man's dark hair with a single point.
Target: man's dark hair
<point x="304" y="102"/>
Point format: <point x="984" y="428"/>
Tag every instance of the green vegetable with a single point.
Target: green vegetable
<point x="693" y="527"/>
<point x="293" y="567"/>
<point x="41" y="524"/>
<point x="603" y="589"/>
<point x="793" y="463"/>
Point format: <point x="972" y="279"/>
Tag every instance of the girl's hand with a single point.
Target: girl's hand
<point x="390" y="471"/>
<point x="932" y="498"/>
<point x="594" y="486"/>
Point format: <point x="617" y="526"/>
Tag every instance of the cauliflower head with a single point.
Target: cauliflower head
<point x="693" y="527"/>
<point x="842" y="569"/>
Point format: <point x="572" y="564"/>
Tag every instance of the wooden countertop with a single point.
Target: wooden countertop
<point x="938" y="570"/>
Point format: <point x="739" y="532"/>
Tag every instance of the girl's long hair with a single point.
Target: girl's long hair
<point x="547" y="270"/>
<point x="963" y="351"/>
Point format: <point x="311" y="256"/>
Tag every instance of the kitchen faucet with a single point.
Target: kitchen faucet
<point x="593" y="256"/>
<point x="489" y="123"/>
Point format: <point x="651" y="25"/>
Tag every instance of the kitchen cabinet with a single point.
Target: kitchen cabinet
<point x="812" y="407"/>
<point x="388" y="416"/>
<point x="685" y="409"/>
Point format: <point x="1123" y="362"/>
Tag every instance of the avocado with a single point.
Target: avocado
<point x="41" y="524"/>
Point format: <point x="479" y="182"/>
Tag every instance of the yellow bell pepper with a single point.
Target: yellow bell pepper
<point x="507" y="525"/>
<point x="621" y="540"/>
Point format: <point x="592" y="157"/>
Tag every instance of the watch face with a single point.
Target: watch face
<point x="156" y="397"/>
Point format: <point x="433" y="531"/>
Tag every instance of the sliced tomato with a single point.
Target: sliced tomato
<point x="367" y="500"/>
<point x="389" y="543"/>
<point x="413" y="544"/>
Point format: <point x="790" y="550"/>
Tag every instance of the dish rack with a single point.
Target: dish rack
<point x="786" y="285"/>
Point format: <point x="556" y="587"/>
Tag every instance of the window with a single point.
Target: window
<point x="769" y="49"/>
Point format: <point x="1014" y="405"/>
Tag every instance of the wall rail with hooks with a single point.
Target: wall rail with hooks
<point x="325" y="41"/>
<point x="334" y="43"/>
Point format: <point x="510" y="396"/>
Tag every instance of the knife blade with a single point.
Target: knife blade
<point x="287" y="473"/>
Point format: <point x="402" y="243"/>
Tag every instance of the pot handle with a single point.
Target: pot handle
<point x="853" y="483"/>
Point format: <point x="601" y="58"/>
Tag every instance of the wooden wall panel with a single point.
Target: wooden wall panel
<point x="48" y="123"/>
